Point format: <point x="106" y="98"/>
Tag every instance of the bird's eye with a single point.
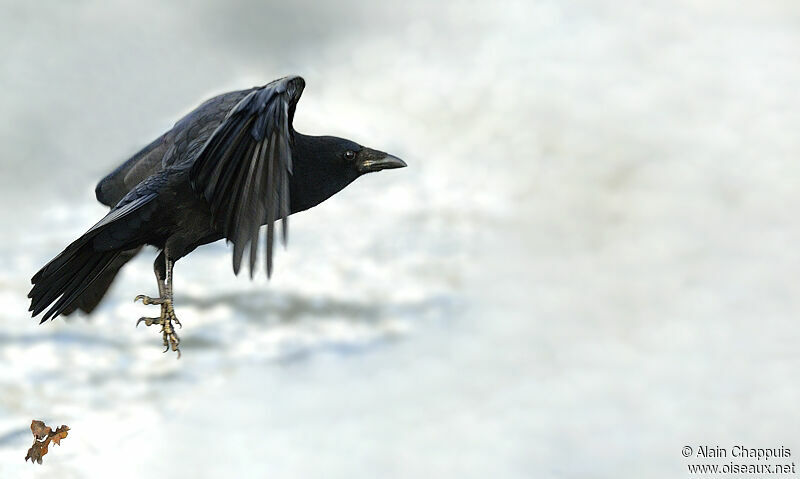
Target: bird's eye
<point x="349" y="155"/>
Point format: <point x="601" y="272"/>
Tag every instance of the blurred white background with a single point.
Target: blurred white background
<point x="589" y="263"/>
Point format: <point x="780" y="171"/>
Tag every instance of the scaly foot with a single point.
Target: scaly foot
<point x="171" y="339"/>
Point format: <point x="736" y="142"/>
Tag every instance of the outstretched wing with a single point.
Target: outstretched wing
<point x="243" y="169"/>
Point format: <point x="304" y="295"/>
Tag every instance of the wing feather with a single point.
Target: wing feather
<point x="243" y="169"/>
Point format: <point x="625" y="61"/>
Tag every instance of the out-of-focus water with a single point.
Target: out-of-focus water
<point x="589" y="263"/>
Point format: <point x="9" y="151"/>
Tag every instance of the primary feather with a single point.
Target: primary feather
<point x="243" y="169"/>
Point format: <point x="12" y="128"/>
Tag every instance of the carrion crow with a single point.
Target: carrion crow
<point x="233" y="164"/>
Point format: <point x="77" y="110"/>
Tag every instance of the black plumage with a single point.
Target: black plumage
<point x="224" y="170"/>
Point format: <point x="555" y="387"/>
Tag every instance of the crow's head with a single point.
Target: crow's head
<point x="324" y="165"/>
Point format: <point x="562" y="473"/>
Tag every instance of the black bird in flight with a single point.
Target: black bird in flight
<point x="230" y="166"/>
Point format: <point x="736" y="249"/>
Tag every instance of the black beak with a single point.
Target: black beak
<point x="380" y="161"/>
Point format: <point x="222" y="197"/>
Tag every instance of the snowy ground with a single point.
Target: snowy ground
<point x="590" y="262"/>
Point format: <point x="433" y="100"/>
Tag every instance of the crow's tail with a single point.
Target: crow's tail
<point x="67" y="276"/>
<point x="95" y="256"/>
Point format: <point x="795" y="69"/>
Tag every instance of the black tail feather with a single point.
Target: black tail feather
<point x="56" y="263"/>
<point x="90" y="298"/>
<point x="48" y="283"/>
<point x="66" y="277"/>
<point x="90" y="271"/>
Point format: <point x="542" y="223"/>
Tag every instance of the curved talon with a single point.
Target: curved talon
<point x="171" y="340"/>
<point x="148" y="299"/>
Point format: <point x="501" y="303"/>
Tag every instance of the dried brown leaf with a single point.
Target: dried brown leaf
<point x="41" y="431"/>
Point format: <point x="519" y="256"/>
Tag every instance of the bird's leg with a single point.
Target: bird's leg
<point x="163" y="269"/>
